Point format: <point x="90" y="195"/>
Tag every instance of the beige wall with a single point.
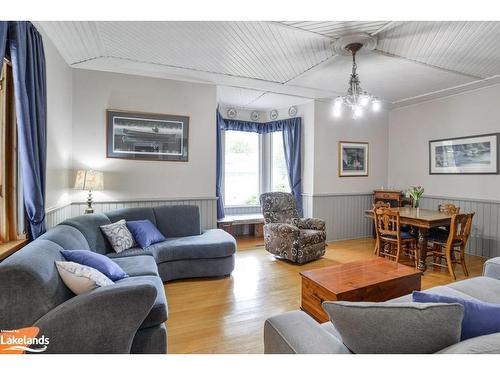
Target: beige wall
<point x="307" y="113"/>
<point x="411" y="128"/>
<point x="328" y="131"/>
<point x="59" y="129"/>
<point x="94" y="92"/>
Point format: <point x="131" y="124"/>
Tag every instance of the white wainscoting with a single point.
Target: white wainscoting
<point x="208" y="209"/>
<point x="54" y="216"/>
<point x="307" y="205"/>
<point x="343" y="214"/>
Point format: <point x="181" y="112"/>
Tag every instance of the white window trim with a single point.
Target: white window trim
<point x="265" y="167"/>
<point x="261" y="178"/>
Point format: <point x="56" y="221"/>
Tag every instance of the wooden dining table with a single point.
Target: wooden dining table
<point x="422" y="219"/>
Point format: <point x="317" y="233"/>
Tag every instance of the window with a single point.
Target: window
<point x="254" y="163"/>
<point x="8" y="160"/>
<point x="279" y="173"/>
<point x="242" y="168"/>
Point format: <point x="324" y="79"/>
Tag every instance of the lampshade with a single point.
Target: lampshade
<point x="87" y="179"/>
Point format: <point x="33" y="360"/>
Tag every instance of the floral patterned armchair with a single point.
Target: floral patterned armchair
<point x="288" y="236"/>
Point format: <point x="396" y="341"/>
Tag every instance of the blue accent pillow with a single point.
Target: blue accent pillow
<point x="98" y="261"/>
<point x="145" y="233"/>
<point x="480" y="318"/>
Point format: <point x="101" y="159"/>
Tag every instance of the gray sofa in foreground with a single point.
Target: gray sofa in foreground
<point x="127" y="317"/>
<point x="296" y="332"/>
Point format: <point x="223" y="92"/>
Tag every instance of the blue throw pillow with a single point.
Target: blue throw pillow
<point x="98" y="261"/>
<point x="480" y="318"/>
<point x="144" y="232"/>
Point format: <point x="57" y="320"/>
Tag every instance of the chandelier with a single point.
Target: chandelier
<point x="356" y="99"/>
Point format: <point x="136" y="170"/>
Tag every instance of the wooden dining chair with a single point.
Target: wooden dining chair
<point x="445" y="248"/>
<point x="377" y="205"/>
<point x="381" y="204"/>
<point x="391" y="241"/>
<point x="449" y="208"/>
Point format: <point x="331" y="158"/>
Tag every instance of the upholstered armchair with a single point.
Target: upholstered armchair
<point x="286" y="235"/>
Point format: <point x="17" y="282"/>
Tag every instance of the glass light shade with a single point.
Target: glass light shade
<point x="357" y="112"/>
<point x="376" y="105"/>
<point x="364" y="100"/>
<point x="87" y="179"/>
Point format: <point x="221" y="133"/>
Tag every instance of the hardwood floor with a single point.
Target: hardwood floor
<point x="227" y="315"/>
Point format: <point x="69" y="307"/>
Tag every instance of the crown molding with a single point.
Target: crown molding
<point x="445" y="93"/>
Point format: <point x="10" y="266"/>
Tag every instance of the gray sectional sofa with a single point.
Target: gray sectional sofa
<point x="128" y="317"/>
<point x="295" y="332"/>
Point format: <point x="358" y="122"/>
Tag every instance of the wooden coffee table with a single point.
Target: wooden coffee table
<point x="373" y="280"/>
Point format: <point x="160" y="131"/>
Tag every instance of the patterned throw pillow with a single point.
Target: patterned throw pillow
<point x="79" y="278"/>
<point x="118" y="236"/>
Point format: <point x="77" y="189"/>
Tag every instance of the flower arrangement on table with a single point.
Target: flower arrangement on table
<point x="415" y="193"/>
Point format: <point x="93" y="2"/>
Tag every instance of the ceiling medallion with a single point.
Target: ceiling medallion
<point x="254" y="116"/>
<point x="356" y="98"/>
<point x="274" y="114"/>
<point x="231" y="113"/>
<point x="292" y="111"/>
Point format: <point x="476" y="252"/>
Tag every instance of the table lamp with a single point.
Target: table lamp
<point x="87" y="179"/>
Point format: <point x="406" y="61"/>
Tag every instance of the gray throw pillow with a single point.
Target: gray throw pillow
<point x="118" y="236"/>
<point x="392" y="328"/>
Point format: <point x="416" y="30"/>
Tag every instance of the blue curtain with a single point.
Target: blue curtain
<point x="28" y="67"/>
<point x="292" y="141"/>
<point x="292" y="134"/>
<point x="4" y="25"/>
<point x="219" y="168"/>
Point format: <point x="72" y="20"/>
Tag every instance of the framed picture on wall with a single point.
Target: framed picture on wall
<point x="353" y="159"/>
<point x="476" y="154"/>
<point x="147" y="136"/>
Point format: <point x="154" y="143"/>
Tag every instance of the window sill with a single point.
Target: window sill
<point x="244" y="206"/>
<point x="9" y="248"/>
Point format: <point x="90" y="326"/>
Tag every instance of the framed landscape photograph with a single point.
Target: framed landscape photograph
<point x="465" y="155"/>
<point x="147" y="136"/>
<point x="353" y="159"/>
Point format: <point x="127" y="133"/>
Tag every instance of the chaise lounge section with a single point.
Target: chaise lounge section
<point x="128" y="317"/>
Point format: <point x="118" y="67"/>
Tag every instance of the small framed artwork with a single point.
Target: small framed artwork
<point x="476" y="154"/>
<point x="353" y="159"/>
<point x="147" y="136"/>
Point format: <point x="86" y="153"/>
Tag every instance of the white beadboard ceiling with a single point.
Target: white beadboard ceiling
<point x="336" y="29"/>
<point x="258" y="64"/>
